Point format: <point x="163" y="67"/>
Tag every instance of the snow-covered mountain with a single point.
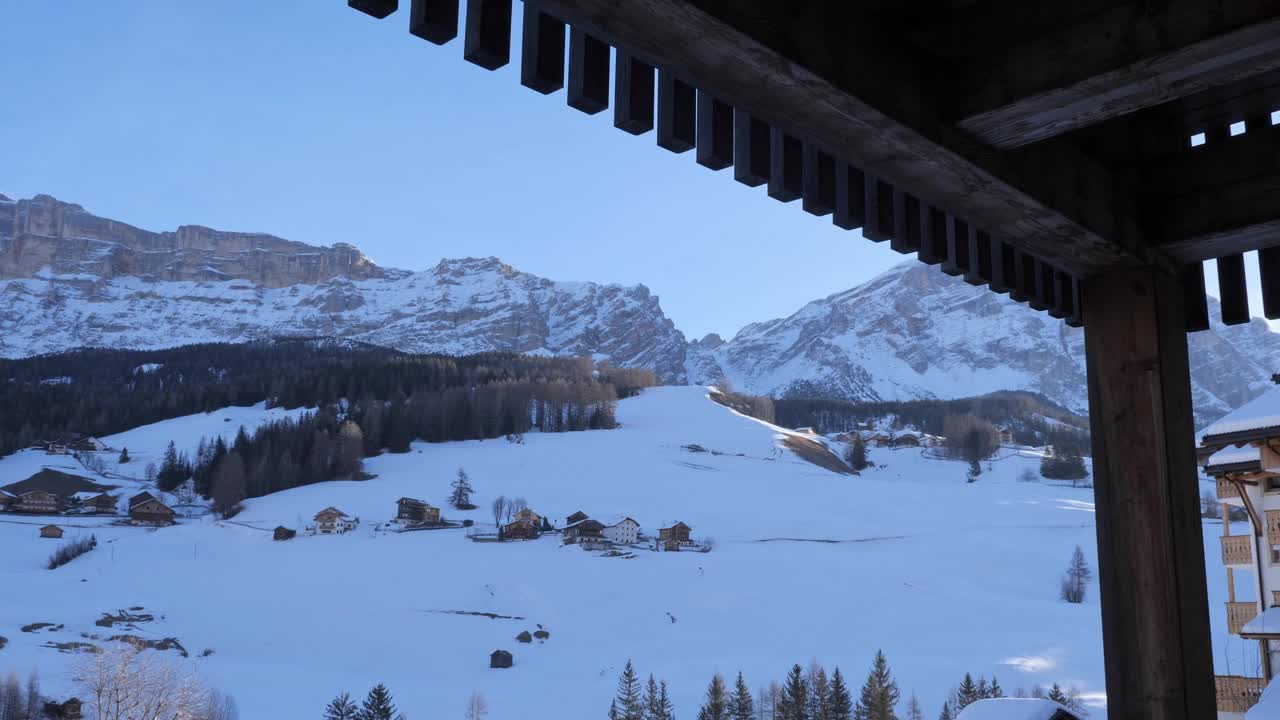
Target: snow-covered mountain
<point x="913" y="332"/>
<point x="69" y="279"/>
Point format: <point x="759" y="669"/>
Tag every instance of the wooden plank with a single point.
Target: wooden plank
<point x="541" y="50"/>
<point x="956" y="263"/>
<point x="933" y="235"/>
<point x="487" y="38"/>
<point x="786" y="166"/>
<point x="374" y="8"/>
<point x="1269" y="272"/>
<point x="906" y="223"/>
<point x="437" y="20"/>
<point x="633" y="94"/>
<point x="1232" y="290"/>
<point x="751" y="148"/>
<point x="1062" y="297"/>
<point x="1152" y="589"/>
<point x="677" y="113"/>
<point x="1194" y="299"/>
<point x="1020" y="106"/>
<point x="818" y="181"/>
<point x="715" y="132"/>
<point x="878" y="206"/>
<point x="1002" y="270"/>
<point x="588" y="72"/>
<point x="851" y="201"/>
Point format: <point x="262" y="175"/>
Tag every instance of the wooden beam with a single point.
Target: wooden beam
<point x="957" y="260"/>
<point x="819" y="181"/>
<point x="1029" y="97"/>
<point x="677" y="113"/>
<point x="1002" y="269"/>
<point x="1076" y="320"/>
<point x="1269" y="272"/>
<point x="541" y="49"/>
<point x="488" y="33"/>
<point x="715" y="132"/>
<point x="633" y="94"/>
<point x="1063" y="299"/>
<point x="1024" y="282"/>
<point x="1152" y="586"/>
<point x="588" y="72"/>
<point x="374" y="8"/>
<point x="845" y="87"/>
<point x="751" y="148"/>
<point x="436" y="21"/>
<point x="877" y="199"/>
<point x="1042" y="281"/>
<point x="851" y="199"/>
<point x="786" y="166"/>
<point x="933" y="235"/>
<point x="1194" y="299"/>
<point x="1232" y="290"/>
<point x="979" y="271"/>
<point x="906" y="223"/>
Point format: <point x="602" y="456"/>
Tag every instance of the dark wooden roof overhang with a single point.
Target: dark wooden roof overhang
<point x="1022" y="146"/>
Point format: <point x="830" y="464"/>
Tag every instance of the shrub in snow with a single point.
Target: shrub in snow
<point x="71" y="550"/>
<point x="1076" y="578"/>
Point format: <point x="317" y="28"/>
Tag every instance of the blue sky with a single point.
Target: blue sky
<point x="311" y="121"/>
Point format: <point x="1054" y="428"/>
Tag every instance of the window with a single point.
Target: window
<point x="1273" y="484"/>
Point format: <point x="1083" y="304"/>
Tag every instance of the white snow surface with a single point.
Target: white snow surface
<point x="1011" y="709"/>
<point x="1233" y="455"/>
<point x="1268" y="707"/>
<point x="1268" y="621"/>
<point x="946" y="577"/>
<point x="1259" y="413"/>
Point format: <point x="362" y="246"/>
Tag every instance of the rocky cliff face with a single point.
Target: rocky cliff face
<point x="69" y="279"/>
<point x="914" y="332"/>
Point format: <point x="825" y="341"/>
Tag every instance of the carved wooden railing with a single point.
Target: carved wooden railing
<point x="1239" y="614"/>
<point x="1237" y="550"/>
<point x="1236" y="693"/>
<point x="1227" y="489"/>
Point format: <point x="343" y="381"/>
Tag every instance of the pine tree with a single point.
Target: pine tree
<point x="716" y="706"/>
<point x="341" y="708"/>
<point x="34" y="702"/>
<point x="994" y="690"/>
<point x="914" y="711"/>
<point x="667" y="711"/>
<point x="1076" y="578"/>
<point x="946" y="712"/>
<point x="879" y="694"/>
<point x="378" y="705"/>
<point x="1057" y="695"/>
<point x="840" y="704"/>
<point x="819" y="693"/>
<point x="982" y="687"/>
<point x="613" y="709"/>
<point x="741" y="705"/>
<point x="794" y="699"/>
<point x="628" y="703"/>
<point x="460" y="498"/>
<point x="651" y="710"/>
<point x="124" y="455"/>
<point x="968" y="693"/>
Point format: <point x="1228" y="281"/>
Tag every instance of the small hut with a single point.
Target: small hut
<point x="51" y="531"/>
<point x="500" y="659"/>
<point x="524" y="637"/>
<point x="283" y="533"/>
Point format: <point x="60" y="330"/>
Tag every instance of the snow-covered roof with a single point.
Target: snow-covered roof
<point x="1268" y="707"/>
<point x="1016" y="709"/>
<point x="1259" y="413"/>
<point x="1233" y="456"/>
<point x="1266" y="623"/>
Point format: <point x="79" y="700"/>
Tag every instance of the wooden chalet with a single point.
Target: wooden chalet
<point x="679" y="532"/>
<point x="51" y="531"/>
<point x="521" y="529"/>
<point x="578" y="516"/>
<point x="150" y="511"/>
<point x="878" y="439"/>
<point x="906" y="439"/>
<point x="411" y="511"/>
<point x="101" y="503"/>
<point x="1006" y="435"/>
<point x="141" y="498"/>
<point x="7" y="500"/>
<point x="37" y="502"/>
<point x="500" y="659"/>
<point x="332" y="521"/>
<point x="582" y="530"/>
<point x="529" y="516"/>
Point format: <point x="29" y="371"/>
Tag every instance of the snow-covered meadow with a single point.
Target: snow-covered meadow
<point x="946" y="577"/>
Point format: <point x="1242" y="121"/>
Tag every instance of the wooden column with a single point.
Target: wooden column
<point x="1151" y="570"/>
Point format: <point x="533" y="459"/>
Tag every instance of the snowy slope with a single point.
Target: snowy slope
<point x="945" y="576"/>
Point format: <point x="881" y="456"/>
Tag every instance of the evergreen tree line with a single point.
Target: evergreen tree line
<point x="18" y="701"/>
<point x="970" y="691"/>
<point x="101" y="392"/>
<point x="377" y="705"/>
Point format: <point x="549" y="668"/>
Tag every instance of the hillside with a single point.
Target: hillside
<point x="857" y="558"/>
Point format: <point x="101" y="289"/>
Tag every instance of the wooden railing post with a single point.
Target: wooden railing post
<point x="1151" y="570"/>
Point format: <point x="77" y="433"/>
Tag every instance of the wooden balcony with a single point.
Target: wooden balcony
<point x="1239" y="614"/>
<point x="1227" y="489"/>
<point x="1237" y="550"/>
<point x="1236" y="693"/>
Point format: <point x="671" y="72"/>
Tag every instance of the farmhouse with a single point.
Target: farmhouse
<point x="332" y="521"/>
<point x="906" y="439"/>
<point x="878" y="438"/>
<point x="583" y="530"/>
<point x="521" y="529"/>
<point x="1006" y="435"/>
<point x="50" y="531"/>
<point x="624" y="532"/>
<point x="679" y="532"/>
<point x="576" y="517"/>
<point x="411" y="511"/>
<point x="150" y="511"/>
<point x="528" y="515"/>
<point x="37" y="501"/>
<point x="7" y="499"/>
<point x="96" y="502"/>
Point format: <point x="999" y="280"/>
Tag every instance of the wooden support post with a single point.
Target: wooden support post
<point x="488" y="33"/>
<point x="786" y="166"/>
<point x="633" y="96"/>
<point x="750" y="149"/>
<point x="677" y="113"/>
<point x="715" y="132"/>
<point x="437" y="21"/>
<point x="851" y="200"/>
<point x="588" y="72"/>
<point x="1155" y="608"/>
<point x="541" y="50"/>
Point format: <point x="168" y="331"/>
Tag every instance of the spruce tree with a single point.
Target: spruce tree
<point x="716" y="706"/>
<point x="341" y="708"/>
<point x="667" y="711"/>
<point x="982" y="687"/>
<point x="124" y="455"/>
<point x="793" y="703"/>
<point x="914" y="711"/>
<point x="840" y="703"/>
<point x="819" y="693"/>
<point x="1057" y="695"/>
<point x="879" y="694"/>
<point x="968" y="693"/>
<point x="628" y="702"/>
<point x="946" y="712"/>
<point x="994" y="690"/>
<point x="460" y="497"/>
<point x="378" y="705"/>
<point x="741" y="704"/>
<point x="651" y="709"/>
<point x="613" y="709"/>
